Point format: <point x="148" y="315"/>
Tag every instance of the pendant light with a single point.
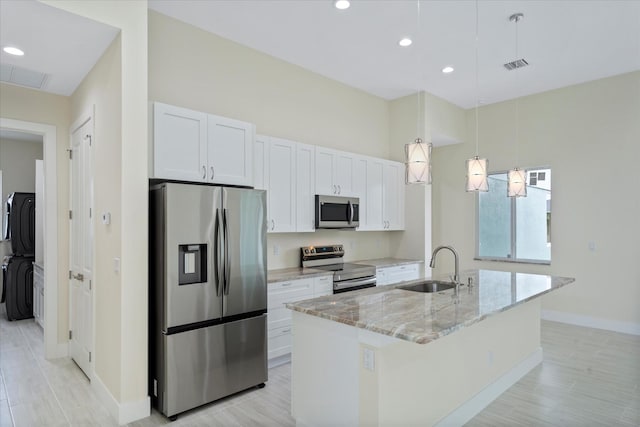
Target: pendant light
<point x="418" y="153"/>
<point x="477" y="167"/>
<point x="516" y="177"/>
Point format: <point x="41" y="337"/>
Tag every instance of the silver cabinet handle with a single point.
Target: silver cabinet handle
<point x="335" y="189"/>
<point x="286" y="284"/>
<point x="339" y="190"/>
<point x="285" y="331"/>
<point x="79" y="277"/>
<point x="204" y="172"/>
<point x="273" y="225"/>
<point x="212" y="174"/>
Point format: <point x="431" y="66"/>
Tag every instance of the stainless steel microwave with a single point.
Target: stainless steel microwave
<point x="337" y="212"/>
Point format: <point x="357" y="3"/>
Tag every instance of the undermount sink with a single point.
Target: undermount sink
<point x="429" y="286"/>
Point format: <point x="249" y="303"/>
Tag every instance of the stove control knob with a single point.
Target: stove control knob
<point x="306" y="251"/>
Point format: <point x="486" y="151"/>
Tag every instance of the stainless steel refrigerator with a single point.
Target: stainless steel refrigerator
<point x="208" y="295"/>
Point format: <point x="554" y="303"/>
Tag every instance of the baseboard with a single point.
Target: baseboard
<point x="123" y="413"/>
<point x="280" y="360"/>
<point x="472" y="407"/>
<point x="591" y="322"/>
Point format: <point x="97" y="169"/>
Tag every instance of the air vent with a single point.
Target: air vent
<point x="518" y="63"/>
<point x="23" y="77"/>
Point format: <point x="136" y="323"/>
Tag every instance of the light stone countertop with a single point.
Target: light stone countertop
<point x="425" y="317"/>
<point x="295" y="273"/>
<point x="388" y="262"/>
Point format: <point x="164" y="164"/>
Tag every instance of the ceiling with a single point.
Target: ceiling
<point x="565" y="42"/>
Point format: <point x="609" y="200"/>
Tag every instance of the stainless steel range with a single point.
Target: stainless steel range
<point x="346" y="276"/>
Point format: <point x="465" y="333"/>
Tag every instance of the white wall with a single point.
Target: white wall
<point x="589" y="135"/>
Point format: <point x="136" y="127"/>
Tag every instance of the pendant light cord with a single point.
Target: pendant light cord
<point x="477" y="84"/>
<point x="517" y="99"/>
<point x="419" y="121"/>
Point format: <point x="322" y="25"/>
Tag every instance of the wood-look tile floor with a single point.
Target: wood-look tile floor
<point x="589" y="378"/>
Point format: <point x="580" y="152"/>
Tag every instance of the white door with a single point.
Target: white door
<point x="230" y="151"/>
<point x="179" y="143"/>
<point x="282" y="186"/>
<point x="81" y="247"/>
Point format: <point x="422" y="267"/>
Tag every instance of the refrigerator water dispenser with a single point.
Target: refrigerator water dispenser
<point x="192" y="264"/>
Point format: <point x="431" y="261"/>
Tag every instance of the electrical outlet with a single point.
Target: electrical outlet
<point x="592" y="246"/>
<point x="116" y="265"/>
<point x="369" y="359"/>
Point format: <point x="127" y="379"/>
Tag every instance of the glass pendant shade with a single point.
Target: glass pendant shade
<point x="517" y="183"/>
<point x="418" y="162"/>
<point x="477" y="174"/>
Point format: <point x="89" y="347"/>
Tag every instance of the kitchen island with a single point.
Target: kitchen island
<point x="388" y="356"/>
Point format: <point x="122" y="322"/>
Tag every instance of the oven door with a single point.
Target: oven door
<point x="354" y="284"/>
<point x="337" y="212"/>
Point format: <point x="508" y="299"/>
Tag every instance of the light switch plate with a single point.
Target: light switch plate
<point x="369" y="359"/>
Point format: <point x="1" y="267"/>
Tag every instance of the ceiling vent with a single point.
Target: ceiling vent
<point x="518" y="63"/>
<point x="21" y="76"/>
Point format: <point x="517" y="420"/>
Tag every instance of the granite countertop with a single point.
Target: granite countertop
<point x="295" y="273"/>
<point x="388" y="262"/>
<point x="425" y="317"/>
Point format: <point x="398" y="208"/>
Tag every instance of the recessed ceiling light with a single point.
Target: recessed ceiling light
<point x="405" y="42"/>
<point x="13" y="51"/>
<point x="342" y="4"/>
<point x="448" y="69"/>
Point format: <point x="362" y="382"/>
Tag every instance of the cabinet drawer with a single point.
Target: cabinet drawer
<point x="279" y="342"/>
<point x="278" y="318"/>
<point x="283" y="292"/>
<point x="323" y="286"/>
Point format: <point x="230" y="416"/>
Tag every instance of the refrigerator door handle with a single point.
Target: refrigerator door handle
<point x="216" y="252"/>
<point x="227" y="255"/>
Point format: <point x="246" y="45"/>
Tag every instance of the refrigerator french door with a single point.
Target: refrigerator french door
<point x="208" y="294"/>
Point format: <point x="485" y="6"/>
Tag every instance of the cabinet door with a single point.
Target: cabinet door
<point x="322" y="286"/>
<point x="260" y="163"/>
<point x="179" y="143"/>
<point x="230" y="151"/>
<point x="324" y="172"/>
<point x="360" y="188"/>
<point x="343" y="173"/>
<point x="375" y="210"/>
<point x="305" y="187"/>
<point x="393" y="193"/>
<point x="281" y="197"/>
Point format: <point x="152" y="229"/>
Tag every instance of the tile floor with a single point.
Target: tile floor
<point x="589" y="378"/>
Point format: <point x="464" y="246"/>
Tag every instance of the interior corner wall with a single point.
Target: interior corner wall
<point x="29" y="105"/>
<point x="191" y="68"/>
<point x="588" y="134"/>
<point x="100" y="92"/>
<point x="17" y="161"/>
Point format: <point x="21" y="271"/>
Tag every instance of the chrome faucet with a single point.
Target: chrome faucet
<point x="456" y="274"/>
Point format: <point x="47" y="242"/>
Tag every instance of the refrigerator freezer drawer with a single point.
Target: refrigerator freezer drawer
<point x="207" y="364"/>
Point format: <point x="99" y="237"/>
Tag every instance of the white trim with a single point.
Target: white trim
<point x="48" y="132"/>
<point x="472" y="407"/>
<point x="592" y="322"/>
<point x="123" y="413"/>
<point x="280" y="360"/>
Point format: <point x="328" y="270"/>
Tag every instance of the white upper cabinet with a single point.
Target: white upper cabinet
<point x="260" y="163"/>
<point x="385" y="195"/>
<point x="281" y="185"/>
<point x="230" y="151"/>
<point x="360" y="188"/>
<point x="305" y="188"/>
<point x="194" y="146"/>
<point x="179" y="143"/>
<point x="334" y="172"/>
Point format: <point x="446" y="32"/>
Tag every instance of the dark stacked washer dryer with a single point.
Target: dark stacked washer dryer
<point x="17" y="269"/>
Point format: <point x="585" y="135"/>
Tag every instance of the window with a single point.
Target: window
<point x="515" y="229"/>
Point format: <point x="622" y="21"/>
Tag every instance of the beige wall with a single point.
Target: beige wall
<point x="194" y="69"/>
<point x="101" y="89"/>
<point x="588" y="134"/>
<point x="39" y="107"/>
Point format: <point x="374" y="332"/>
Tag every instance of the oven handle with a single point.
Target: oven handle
<point x="346" y="284"/>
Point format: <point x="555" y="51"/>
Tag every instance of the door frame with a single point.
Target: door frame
<point x="52" y="349"/>
<point x="86" y="116"/>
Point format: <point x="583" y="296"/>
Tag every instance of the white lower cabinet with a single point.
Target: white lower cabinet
<point x="397" y="273"/>
<point x="279" y="317"/>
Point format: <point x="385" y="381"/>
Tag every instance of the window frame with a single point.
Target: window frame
<point x="513" y="225"/>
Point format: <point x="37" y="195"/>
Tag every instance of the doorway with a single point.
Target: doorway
<point x="50" y="226"/>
